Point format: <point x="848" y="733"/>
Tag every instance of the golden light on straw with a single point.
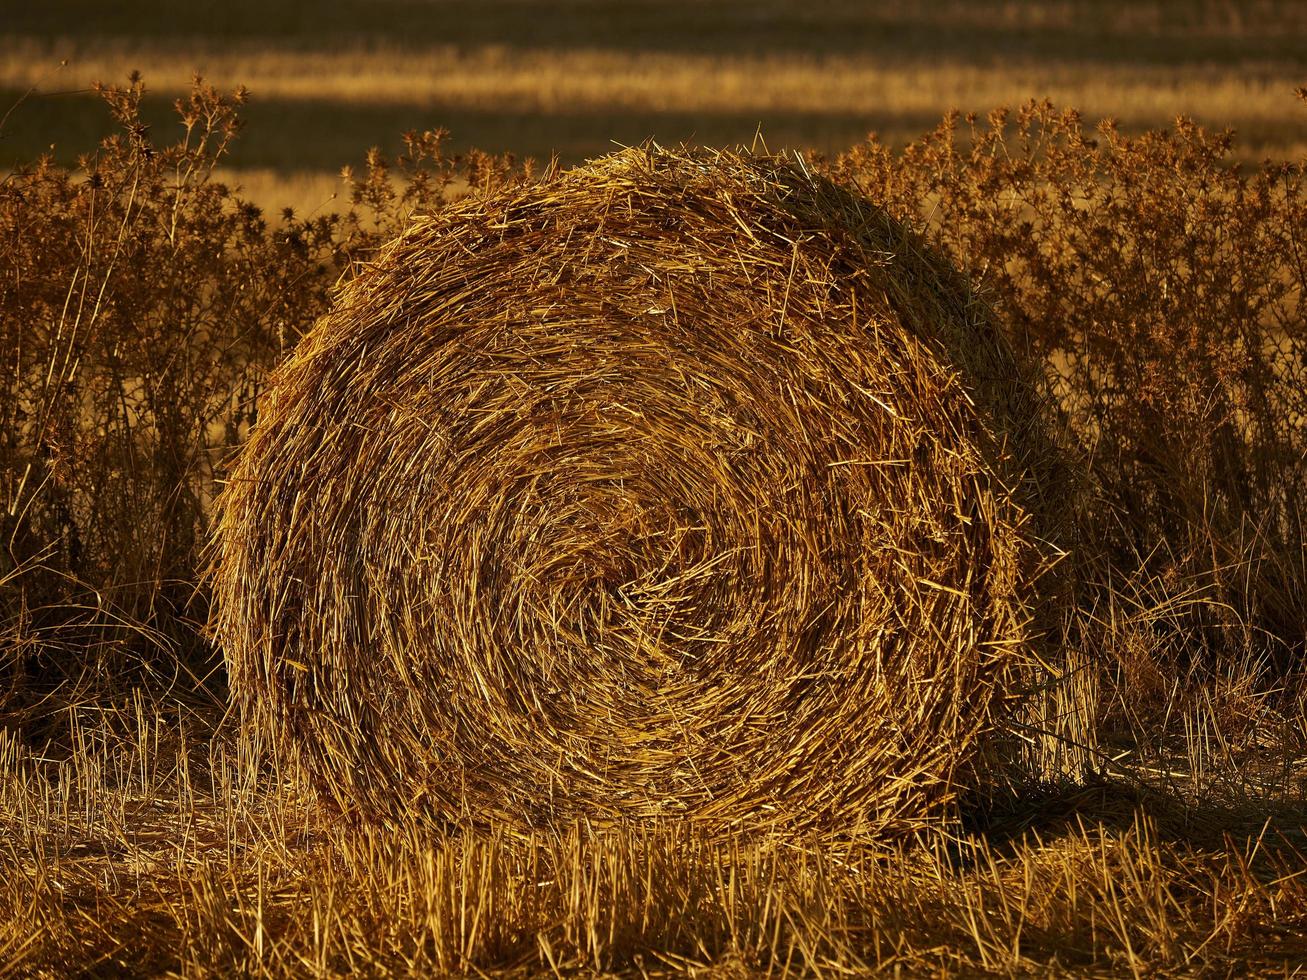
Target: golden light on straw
<point x="679" y="485"/>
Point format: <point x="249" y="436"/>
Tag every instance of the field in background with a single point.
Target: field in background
<point x="575" y="78"/>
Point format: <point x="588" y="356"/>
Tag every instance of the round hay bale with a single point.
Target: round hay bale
<point x="678" y="485"/>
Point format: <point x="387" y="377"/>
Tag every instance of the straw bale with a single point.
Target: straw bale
<point x="679" y="485"/>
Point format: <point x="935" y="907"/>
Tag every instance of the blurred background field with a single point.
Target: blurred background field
<point x="328" y="80"/>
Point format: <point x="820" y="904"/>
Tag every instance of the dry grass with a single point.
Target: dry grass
<point x="1165" y="287"/>
<point x="140" y="843"/>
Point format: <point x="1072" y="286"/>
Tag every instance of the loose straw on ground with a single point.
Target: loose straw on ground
<point x="680" y="485"/>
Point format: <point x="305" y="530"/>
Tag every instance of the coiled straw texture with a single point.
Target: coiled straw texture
<point x="679" y="485"/>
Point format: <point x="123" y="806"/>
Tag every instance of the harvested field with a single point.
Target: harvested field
<point x="1012" y="563"/>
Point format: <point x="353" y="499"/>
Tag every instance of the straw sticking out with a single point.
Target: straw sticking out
<point x="676" y="486"/>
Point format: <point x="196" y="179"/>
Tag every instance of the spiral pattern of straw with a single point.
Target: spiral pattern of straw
<point x="679" y="485"/>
